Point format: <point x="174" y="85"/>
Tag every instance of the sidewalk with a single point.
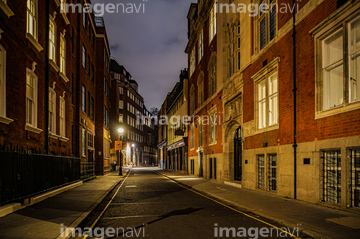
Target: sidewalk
<point x="313" y="220"/>
<point x="43" y="220"/>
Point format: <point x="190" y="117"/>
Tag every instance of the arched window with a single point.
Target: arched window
<point x="212" y="76"/>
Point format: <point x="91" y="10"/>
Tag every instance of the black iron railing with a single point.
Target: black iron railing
<point x="23" y="175"/>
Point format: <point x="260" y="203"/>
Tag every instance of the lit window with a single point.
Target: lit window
<point x="62" y="54"/>
<point x="52" y="111"/>
<point x="52" y="40"/>
<point x="62" y="117"/>
<point x="201" y="46"/>
<point x="32" y="17"/>
<point x="212" y="25"/>
<point x="31" y="98"/>
<point x="268" y="109"/>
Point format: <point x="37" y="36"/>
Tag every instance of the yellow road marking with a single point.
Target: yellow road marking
<point x="245" y="214"/>
<point x="102" y="213"/>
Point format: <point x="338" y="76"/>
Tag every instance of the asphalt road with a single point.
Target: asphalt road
<point x="148" y="205"/>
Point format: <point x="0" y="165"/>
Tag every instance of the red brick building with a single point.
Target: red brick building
<point x="27" y="68"/>
<point x="205" y="92"/>
<point x="298" y="124"/>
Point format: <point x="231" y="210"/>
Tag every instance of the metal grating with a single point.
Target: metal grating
<point x="332" y="176"/>
<point x="261" y="171"/>
<point x="355" y="177"/>
<point x="272" y="172"/>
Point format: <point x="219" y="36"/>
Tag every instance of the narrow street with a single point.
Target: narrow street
<point x="156" y="207"/>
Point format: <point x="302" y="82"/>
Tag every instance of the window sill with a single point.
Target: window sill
<point x="33" y="129"/>
<point x="339" y="110"/>
<point x="5" y="120"/>
<point x="53" y="64"/>
<point x="6" y="9"/>
<point x="212" y="144"/>
<point x="63" y="76"/>
<point x="53" y="136"/>
<point x="35" y="43"/>
<point x="64" y="139"/>
<point x="267" y="129"/>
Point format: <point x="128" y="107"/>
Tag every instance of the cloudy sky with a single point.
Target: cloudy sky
<point x="150" y="45"/>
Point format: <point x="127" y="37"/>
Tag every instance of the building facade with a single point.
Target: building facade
<point x="128" y="106"/>
<point x="177" y="131"/>
<point x="205" y="105"/>
<point x="102" y="104"/>
<point x="36" y="113"/>
<point x="54" y="111"/>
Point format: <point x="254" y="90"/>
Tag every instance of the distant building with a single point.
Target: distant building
<point x="127" y="113"/>
<point x="177" y="131"/>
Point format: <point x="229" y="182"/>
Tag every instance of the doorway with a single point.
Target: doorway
<point x="238" y="155"/>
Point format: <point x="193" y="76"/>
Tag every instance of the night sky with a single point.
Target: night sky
<point x="150" y="45"/>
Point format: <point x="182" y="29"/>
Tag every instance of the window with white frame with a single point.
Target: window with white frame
<point x="31" y="98"/>
<point x="121" y="118"/>
<point x="121" y="104"/>
<point x="355" y="60"/>
<point x="62" y="117"/>
<point x="32" y="18"/>
<point x="90" y="140"/>
<point x="333" y="70"/>
<point x="338" y="67"/>
<point x="267" y="102"/>
<point x="200" y="84"/>
<point x="192" y="62"/>
<point x="212" y="25"/>
<point x="266" y="22"/>
<point x="62" y="54"/>
<point x="212" y="76"/>
<point x="121" y="90"/>
<point x="52" y="40"/>
<point x="2" y="81"/>
<point x="201" y="46"/>
<point x="52" y="111"/>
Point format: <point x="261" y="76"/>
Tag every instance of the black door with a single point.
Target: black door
<point x="201" y="165"/>
<point x="238" y="155"/>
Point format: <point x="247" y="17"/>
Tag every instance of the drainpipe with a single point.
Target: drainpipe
<point x="47" y="20"/>
<point x="294" y="90"/>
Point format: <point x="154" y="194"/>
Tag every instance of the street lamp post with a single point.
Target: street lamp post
<point x="121" y="131"/>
